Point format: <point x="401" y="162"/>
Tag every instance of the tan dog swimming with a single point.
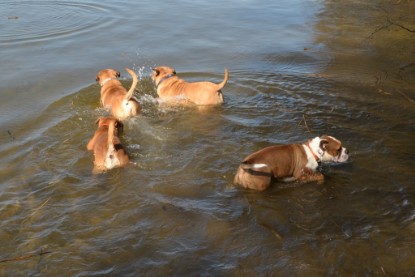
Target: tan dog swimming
<point x="108" y="151"/>
<point x="171" y="89"/>
<point x="115" y="97"/>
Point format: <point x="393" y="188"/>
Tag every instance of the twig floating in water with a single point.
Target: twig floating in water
<point x="11" y="135"/>
<point x="401" y="26"/>
<point x="305" y="123"/>
<point x="41" y="206"/>
<point x="404" y="95"/>
<point x="25" y="257"/>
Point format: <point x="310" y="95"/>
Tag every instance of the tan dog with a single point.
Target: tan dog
<point x="108" y="151"/>
<point x="172" y="89"/>
<point x="115" y="97"/>
<point x="289" y="162"/>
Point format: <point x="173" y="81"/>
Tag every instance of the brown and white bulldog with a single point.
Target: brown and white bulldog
<point x="173" y="90"/>
<point x="108" y="151"/>
<point x="289" y="162"/>
<point x="115" y="97"/>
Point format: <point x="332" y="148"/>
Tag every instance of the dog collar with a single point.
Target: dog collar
<point x="107" y="80"/>
<point x="164" y="79"/>
<point x="312" y="152"/>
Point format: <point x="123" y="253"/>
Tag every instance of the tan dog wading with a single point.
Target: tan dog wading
<point x="108" y="151"/>
<point x="115" y="97"/>
<point x="173" y="90"/>
<point x="289" y="162"/>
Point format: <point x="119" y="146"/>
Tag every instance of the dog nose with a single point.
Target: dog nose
<point x="346" y="151"/>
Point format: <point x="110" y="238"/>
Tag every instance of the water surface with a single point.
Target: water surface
<point x="298" y="69"/>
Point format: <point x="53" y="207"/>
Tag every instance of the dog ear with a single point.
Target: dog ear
<point x="118" y="74"/>
<point x="156" y="71"/>
<point x="98" y="119"/>
<point x="323" y="144"/>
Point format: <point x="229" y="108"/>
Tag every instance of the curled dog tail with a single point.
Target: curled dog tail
<point x="130" y="93"/>
<point x="225" y="79"/>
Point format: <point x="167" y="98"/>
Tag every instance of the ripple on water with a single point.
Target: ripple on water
<point x="30" y="21"/>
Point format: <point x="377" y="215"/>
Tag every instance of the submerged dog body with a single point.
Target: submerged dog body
<point x="172" y="89"/>
<point x="289" y="162"/>
<point x="115" y="97"/>
<point x="108" y="151"/>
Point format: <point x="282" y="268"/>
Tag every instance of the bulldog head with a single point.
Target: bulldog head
<point x="107" y="74"/>
<point x="160" y="73"/>
<point x="331" y="150"/>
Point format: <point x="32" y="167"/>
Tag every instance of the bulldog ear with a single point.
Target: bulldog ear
<point x="98" y="119"/>
<point x="156" y="71"/>
<point x="174" y="72"/>
<point x="323" y="144"/>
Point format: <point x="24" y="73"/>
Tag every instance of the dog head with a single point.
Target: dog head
<point x="161" y="72"/>
<point x="107" y="74"/>
<point x="106" y="121"/>
<point x="331" y="150"/>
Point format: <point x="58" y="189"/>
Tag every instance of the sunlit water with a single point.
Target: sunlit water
<point x="298" y="69"/>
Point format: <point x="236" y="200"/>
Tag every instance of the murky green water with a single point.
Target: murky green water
<point x="298" y="69"/>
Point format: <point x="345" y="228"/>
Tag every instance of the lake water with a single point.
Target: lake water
<point x="298" y="69"/>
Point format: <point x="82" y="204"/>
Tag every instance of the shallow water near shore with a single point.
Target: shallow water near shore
<point x="298" y="69"/>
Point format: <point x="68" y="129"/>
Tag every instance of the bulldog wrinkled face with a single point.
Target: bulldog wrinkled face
<point x="333" y="150"/>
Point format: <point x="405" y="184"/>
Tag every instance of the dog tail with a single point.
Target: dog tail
<point x="111" y="159"/>
<point x="246" y="165"/>
<point x="256" y="169"/>
<point x="130" y="93"/>
<point x="225" y="79"/>
<point x="111" y="130"/>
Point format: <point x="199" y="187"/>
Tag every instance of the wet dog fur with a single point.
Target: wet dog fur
<point x="292" y="162"/>
<point x="106" y="145"/>
<point x="173" y="90"/>
<point x="115" y="97"/>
